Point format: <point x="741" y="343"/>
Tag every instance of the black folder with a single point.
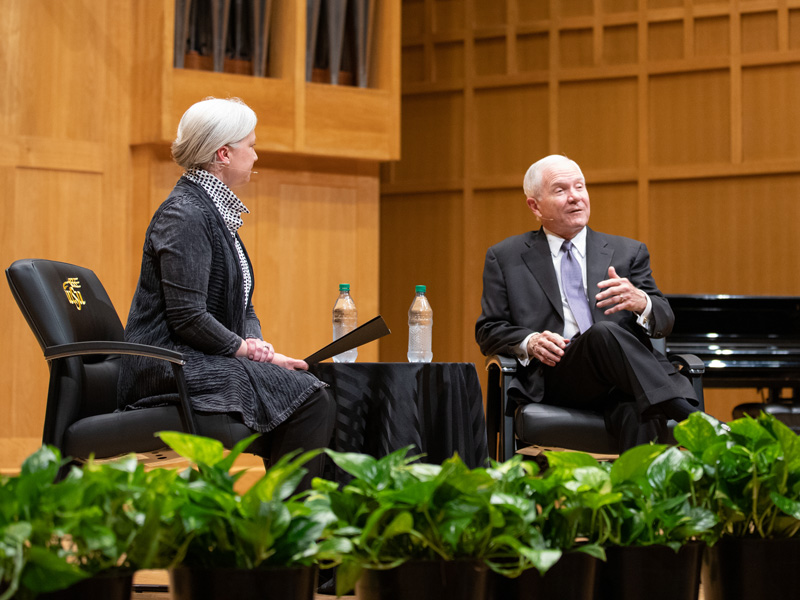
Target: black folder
<point x="368" y="332"/>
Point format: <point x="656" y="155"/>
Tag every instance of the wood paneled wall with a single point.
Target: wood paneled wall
<point x="88" y="106"/>
<point x="64" y="173"/>
<point x="683" y="114"/>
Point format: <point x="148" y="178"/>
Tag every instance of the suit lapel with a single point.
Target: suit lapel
<point x="538" y="259"/>
<point x="598" y="258"/>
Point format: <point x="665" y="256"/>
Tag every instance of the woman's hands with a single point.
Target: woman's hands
<point x="293" y="364"/>
<point x="256" y="350"/>
<point x="261" y="351"/>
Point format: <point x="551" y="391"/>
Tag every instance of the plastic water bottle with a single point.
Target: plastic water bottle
<point x="420" y="328"/>
<point x="345" y="320"/>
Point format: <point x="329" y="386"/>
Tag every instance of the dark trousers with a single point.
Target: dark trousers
<point x="310" y="426"/>
<point x="608" y="369"/>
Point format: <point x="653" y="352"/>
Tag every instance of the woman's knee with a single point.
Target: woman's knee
<point x="324" y="404"/>
<point x="319" y="411"/>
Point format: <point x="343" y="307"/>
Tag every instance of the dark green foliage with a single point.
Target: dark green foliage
<point x="214" y="526"/>
<point x="737" y="480"/>
<point x="396" y="510"/>
<point x="55" y="534"/>
<point x="751" y="474"/>
<point x="115" y="516"/>
<point x="644" y="497"/>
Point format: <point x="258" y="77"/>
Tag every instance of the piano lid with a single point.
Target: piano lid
<point x="757" y="319"/>
<point x="743" y="340"/>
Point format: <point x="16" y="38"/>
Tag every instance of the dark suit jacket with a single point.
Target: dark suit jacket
<point x="521" y="296"/>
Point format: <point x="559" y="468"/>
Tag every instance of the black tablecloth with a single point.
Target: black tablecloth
<point x="437" y="407"/>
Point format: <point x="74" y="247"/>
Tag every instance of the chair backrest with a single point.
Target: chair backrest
<point x="63" y="304"/>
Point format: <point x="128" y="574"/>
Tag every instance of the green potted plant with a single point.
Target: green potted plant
<point x="230" y="545"/>
<point x="72" y="538"/>
<point x="637" y="515"/>
<point x="651" y="530"/>
<point x="568" y="497"/>
<point x="402" y="529"/>
<point x="753" y="471"/>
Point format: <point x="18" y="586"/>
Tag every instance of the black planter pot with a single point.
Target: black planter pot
<point x="275" y="583"/>
<point x="425" y="580"/>
<point x="751" y="568"/>
<point x="108" y="587"/>
<point x="571" y="578"/>
<point x="650" y="573"/>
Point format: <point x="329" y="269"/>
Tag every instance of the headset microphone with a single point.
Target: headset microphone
<point x="227" y="166"/>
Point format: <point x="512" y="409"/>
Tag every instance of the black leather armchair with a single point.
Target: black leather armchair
<point x="546" y="426"/>
<point x="80" y="333"/>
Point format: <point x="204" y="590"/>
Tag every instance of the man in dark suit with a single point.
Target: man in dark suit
<point x="578" y="308"/>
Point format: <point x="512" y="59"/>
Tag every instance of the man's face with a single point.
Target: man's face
<point x="563" y="202"/>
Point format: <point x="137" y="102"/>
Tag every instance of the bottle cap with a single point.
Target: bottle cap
<point x="344" y="287"/>
<point x="420" y="289"/>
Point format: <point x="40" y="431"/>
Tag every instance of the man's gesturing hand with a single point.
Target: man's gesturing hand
<point x="620" y="294"/>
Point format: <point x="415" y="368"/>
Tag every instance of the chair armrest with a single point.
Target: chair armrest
<point x="506" y="364"/>
<point x="499" y="426"/>
<point x="693" y="365"/>
<point x="106" y="347"/>
<point x="176" y="359"/>
<point x="693" y="368"/>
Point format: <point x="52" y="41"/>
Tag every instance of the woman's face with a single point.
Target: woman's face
<point x="240" y="156"/>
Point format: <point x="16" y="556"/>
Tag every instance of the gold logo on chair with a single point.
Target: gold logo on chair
<point x="71" y="287"/>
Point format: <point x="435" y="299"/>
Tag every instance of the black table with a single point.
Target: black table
<point x="436" y="407"/>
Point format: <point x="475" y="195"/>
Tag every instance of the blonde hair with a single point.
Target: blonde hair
<point x="207" y="126"/>
<point x="532" y="182"/>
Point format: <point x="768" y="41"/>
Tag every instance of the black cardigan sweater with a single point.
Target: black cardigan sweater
<point x="190" y="298"/>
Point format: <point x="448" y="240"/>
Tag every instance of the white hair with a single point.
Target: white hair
<point x="207" y="126"/>
<point x="532" y="183"/>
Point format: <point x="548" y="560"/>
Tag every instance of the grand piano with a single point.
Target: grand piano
<point x="745" y="342"/>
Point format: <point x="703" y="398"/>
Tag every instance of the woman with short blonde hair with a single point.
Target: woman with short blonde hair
<point x="195" y="296"/>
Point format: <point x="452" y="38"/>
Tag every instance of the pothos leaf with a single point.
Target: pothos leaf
<point x="787" y="505"/>
<point x="199" y="450"/>
<point x="47" y="572"/>
<point x="632" y="464"/>
<point x="698" y="432"/>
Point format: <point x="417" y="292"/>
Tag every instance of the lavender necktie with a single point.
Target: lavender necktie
<point x="572" y="280"/>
